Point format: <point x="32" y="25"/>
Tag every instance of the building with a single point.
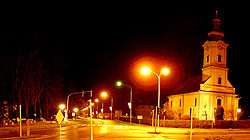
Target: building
<point x="144" y="110"/>
<point x="210" y="95"/>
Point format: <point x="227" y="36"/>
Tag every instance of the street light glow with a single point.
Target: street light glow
<point x="145" y="70"/>
<point x="75" y="109"/>
<point x="96" y="100"/>
<point x="62" y="106"/>
<point x="119" y="83"/>
<point x="165" y="71"/>
<point x="104" y="94"/>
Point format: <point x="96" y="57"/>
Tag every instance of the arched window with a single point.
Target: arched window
<point x="219" y="80"/>
<point x="219" y="58"/>
<point x="218" y="102"/>
<point x="207" y="58"/>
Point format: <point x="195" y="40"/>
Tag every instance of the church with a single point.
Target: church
<point x="204" y="94"/>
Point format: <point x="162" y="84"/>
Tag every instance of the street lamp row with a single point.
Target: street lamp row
<point x="145" y="71"/>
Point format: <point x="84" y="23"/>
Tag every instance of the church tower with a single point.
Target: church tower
<point x="208" y="94"/>
<point x="215" y="70"/>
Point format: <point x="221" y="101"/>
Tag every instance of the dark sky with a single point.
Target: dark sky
<point x="99" y="47"/>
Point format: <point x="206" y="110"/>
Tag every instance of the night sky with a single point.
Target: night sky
<point x="98" y="48"/>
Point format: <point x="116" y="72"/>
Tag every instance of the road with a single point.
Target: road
<point x="107" y="129"/>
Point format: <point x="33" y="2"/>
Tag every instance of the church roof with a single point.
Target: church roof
<point x="192" y="84"/>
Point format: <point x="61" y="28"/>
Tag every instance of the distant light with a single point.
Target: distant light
<point x="96" y="100"/>
<point x="129" y="105"/>
<point x="238" y="110"/>
<point x="145" y="70"/>
<point x="118" y="83"/>
<point x="104" y="94"/>
<point x="86" y="108"/>
<point x="62" y="106"/>
<point x="75" y="109"/>
<point x="165" y="71"/>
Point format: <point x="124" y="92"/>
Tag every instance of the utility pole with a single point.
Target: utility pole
<point x="20" y="116"/>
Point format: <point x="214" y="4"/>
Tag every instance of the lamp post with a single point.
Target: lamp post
<point x="104" y="95"/>
<point x="119" y="84"/>
<point x="97" y="112"/>
<point x="146" y="71"/>
<point x="67" y="106"/>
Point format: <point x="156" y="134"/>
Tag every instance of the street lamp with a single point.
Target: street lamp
<point x="67" y="107"/>
<point x="97" y="112"/>
<point x="75" y="110"/>
<point x="62" y="106"/>
<point x="104" y="95"/>
<point x="165" y="71"/>
<point x="120" y="84"/>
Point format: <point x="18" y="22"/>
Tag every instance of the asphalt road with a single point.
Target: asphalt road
<point x="112" y="130"/>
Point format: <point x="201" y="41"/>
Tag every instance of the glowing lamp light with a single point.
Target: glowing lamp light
<point x="75" y="109"/>
<point x="238" y="110"/>
<point x="104" y="94"/>
<point x="145" y="70"/>
<point x="62" y="106"/>
<point x="119" y="83"/>
<point x="165" y="71"/>
<point x="110" y="108"/>
<point x="96" y="100"/>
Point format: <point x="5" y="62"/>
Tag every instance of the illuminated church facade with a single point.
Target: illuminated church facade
<point x="204" y="94"/>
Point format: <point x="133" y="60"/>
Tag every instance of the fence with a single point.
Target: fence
<point x="196" y="123"/>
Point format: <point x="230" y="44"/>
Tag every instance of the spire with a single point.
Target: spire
<point x="216" y="34"/>
<point x="216" y="23"/>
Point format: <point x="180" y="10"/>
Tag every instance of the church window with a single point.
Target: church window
<point x="219" y="58"/>
<point x="195" y="102"/>
<point x="219" y="80"/>
<point x="218" y="102"/>
<point x="180" y="102"/>
<point x="171" y="103"/>
<point x="207" y="58"/>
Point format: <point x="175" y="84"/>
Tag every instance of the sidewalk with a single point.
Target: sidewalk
<point x="198" y="131"/>
<point x="168" y="130"/>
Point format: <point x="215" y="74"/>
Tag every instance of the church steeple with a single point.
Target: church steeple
<point x="216" y="33"/>
<point x="215" y="60"/>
